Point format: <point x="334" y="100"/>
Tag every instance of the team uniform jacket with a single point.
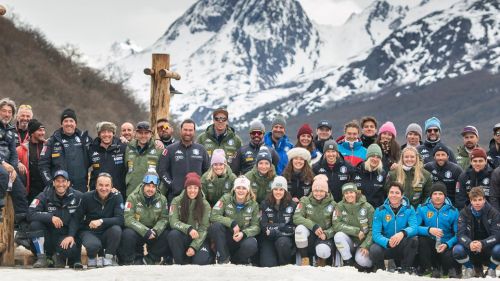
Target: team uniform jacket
<point x="446" y="219"/>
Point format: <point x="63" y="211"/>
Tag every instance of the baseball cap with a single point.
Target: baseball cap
<point x="324" y="123"/>
<point x="61" y="173"/>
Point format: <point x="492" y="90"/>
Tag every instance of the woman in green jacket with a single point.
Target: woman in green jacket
<point x="411" y="174"/>
<point x="262" y="174"/>
<point x="219" y="178"/>
<point x="189" y="220"/>
<point x="352" y="222"/>
<point x="313" y="217"/>
<point x="235" y="223"/>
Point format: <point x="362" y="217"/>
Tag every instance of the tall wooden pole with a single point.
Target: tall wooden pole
<point x="160" y="87"/>
<point x="7" y="247"/>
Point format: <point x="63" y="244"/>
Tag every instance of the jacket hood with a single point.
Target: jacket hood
<point x="345" y="144"/>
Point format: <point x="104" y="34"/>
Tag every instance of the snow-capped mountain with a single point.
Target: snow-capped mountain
<point x="264" y="57"/>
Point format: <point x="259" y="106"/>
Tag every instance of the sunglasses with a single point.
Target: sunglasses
<point x="256" y="133"/>
<point x="163" y="127"/>
<point x="432" y="130"/>
<point x="220" y="119"/>
<point x="497" y="134"/>
<point x="151" y="179"/>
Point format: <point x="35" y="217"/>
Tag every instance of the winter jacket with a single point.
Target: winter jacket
<point x="446" y="219"/>
<point x="214" y="189"/>
<point x="47" y="205"/>
<point x="246" y="156"/>
<point x="298" y="187"/>
<point x="425" y="151"/>
<point x="355" y="154"/>
<point x="281" y="147"/>
<point x="110" y="160"/>
<point x="34" y="181"/>
<point x="8" y="151"/>
<point x="447" y="174"/>
<point x="226" y="213"/>
<point x="277" y="219"/>
<point x="469" y="179"/>
<point x="417" y="194"/>
<point x="386" y="223"/>
<point x="142" y="214"/>
<point x="320" y="143"/>
<point x="93" y="208"/>
<point x="186" y="227"/>
<point x="69" y="153"/>
<point x="368" y="140"/>
<point x="176" y="161"/>
<point x="463" y="159"/>
<point x="261" y="185"/>
<point x="371" y="184"/>
<point x="353" y="218"/>
<point x="138" y="162"/>
<point x="314" y="214"/>
<point x="495" y="189"/>
<point x="493" y="154"/>
<point x="229" y="142"/>
<point x="22" y="136"/>
<point x="341" y="173"/>
<point x="490" y="219"/>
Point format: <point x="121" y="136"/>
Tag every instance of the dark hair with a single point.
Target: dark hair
<point x="162" y="120"/>
<point x="305" y="175"/>
<point x="368" y="119"/>
<point x="396" y="184"/>
<point x="394" y="149"/>
<point x="272" y="201"/>
<point x="105" y="175"/>
<point x="188" y="121"/>
<point x="198" y="207"/>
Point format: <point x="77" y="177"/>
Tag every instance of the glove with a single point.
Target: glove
<point x="148" y="234"/>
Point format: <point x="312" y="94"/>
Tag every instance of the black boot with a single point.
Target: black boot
<point x="22" y="226"/>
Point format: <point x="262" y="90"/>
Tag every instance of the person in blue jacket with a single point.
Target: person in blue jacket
<point x="437" y="231"/>
<point x="394" y="231"/>
<point x="278" y="140"/>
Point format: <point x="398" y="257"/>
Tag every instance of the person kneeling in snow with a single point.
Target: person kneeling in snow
<point x="235" y="223"/>
<point x="313" y="217"/>
<point x="394" y="231"/>
<point x="146" y="221"/>
<point x="352" y="222"/>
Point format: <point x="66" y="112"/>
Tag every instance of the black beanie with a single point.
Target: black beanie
<point x="68" y="113"/>
<point x="438" y="186"/>
<point x="441" y="147"/>
<point x="34" y="125"/>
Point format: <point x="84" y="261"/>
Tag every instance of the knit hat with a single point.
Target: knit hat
<point x="242" y="181"/>
<point x="263" y="154"/>
<point x="388" y="127"/>
<point x="305" y="130"/>
<point x="105" y="125"/>
<point x="414" y="127"/>
<point x="320" y="182"/>
<point x="438" y="186"/>
<point x="470" y="129"/>
<point x="299" y="152"/>
<point x="432" y="122"/>
<point x="220" y="110"/>
<point x="34" y="125"/>
<point x="349" y="187"/>
<point x="478" y="152"/>
<point x="373" y="150"/>
<point x="440" y="147"/>
<point x="324" y="123"/>
<point x="218" y="157"/>
<point x="192" y="178"/>
<point x="143" y="125"/>
<point x="279" y="182"/>
<point x="278" y="120"/>
<point x="330" y="145"/>
<point x="256" y="126"/>
<point x="68" y="113"/>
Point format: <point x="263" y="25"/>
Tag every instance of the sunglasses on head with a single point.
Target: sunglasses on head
<point x="220" y="119"/>
<point x="256" y="133"/>
<point x="432" y="130"/>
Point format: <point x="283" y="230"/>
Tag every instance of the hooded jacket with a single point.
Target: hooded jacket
<point x="490" y="219"/>
<point x="371" y="184"/>
<point x="226" y="213"/>
<point x="447" y="174"/>
<point x="314" y="214"/>
<point x="246" y="156"/>
<point x="229" y="142"/>
<point x="446" y="219"/>
<point x="469" y="179"/>
<point x="139" y="162"/>
<point x="341" y="173"/>
<point x="214" y="189"/>
<point x="282" y="147"/>
<point x="277" y="219"/>
<point x="355" y="154"/>
<point x="417" y="194"/>
<point x="261" y="185"/>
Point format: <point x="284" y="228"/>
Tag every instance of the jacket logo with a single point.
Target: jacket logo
<point x="486" y="181"/>
<point x="230" y="142"/>
<point x="388" y="218"/>
<point x="128" y="206"/>
<point x="343" y="169"/>
<point x="447" y="174"/>
<point x="430" y="214"/>
<point x="289" y="210"/>
<point x="196" y="151"/>
<point x="362" y="212"/>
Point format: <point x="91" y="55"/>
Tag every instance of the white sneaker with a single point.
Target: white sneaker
<point x="92" y="262"/>
<point x="100" y="261"/>
<point x="109" y="260"/>
<point x="491" y="273"/>
<point x="468" y="273"/>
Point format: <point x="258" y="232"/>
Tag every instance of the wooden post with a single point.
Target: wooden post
<point x="160" y="87"/>
<point x="7" y="233"/>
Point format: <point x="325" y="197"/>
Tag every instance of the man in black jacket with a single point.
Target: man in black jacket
<point x="67" y="150"/>
<point x="101" y="212"/>
<point x="107" y="155"/>
<point x="478" y="236"/>
<point x="432" y="138"/>
<point x="54" y="224"/>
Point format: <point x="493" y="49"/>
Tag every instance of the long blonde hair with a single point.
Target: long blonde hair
<point x="211" y="175"/>
<point x="419" y="166"/>
<point x="369" y="168"/>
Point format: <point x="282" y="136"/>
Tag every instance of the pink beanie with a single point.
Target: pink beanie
<point x="388" y="127"/>
<point x="218" y="157"/>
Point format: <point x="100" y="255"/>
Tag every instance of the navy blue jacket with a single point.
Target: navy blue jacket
<point x="469" y="179"/>
<point x="341" y="173"/>
<point x="371" y="185"/>
<point x="92" y="208"/>
<point x="8" y="152"/>
<point x="490" y="218"/>
<point x="447" y="174"/>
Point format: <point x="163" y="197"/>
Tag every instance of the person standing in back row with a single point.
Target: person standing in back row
<point x="433" y="137"/>
<point x="278" y="140"/>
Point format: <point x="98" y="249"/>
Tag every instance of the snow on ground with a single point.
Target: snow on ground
<point x="205" y="273"/>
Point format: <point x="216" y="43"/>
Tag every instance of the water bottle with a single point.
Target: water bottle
<point x="438" y="243"/>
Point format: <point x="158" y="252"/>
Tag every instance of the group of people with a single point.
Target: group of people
<point x="356" y="200"/>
